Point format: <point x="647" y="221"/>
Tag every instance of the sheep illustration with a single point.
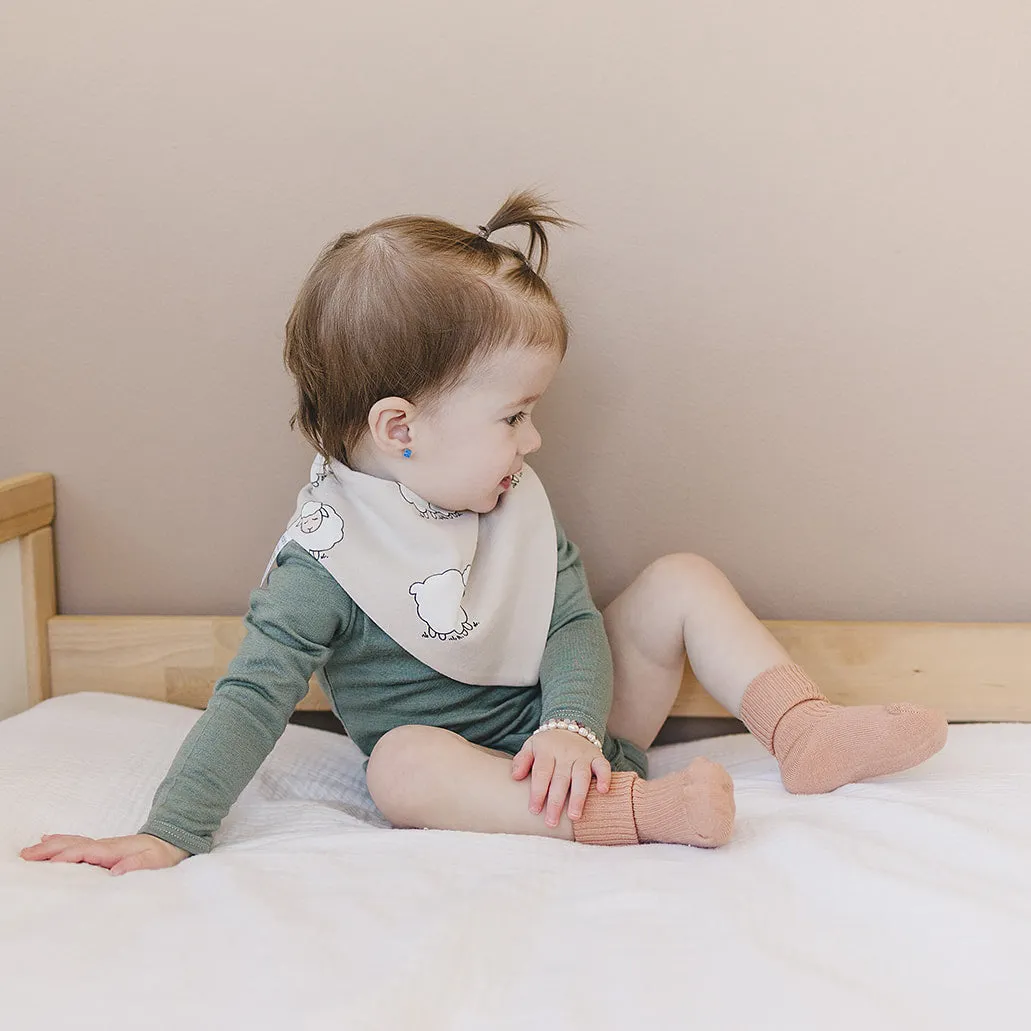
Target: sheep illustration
<point x="320" y="528"/>
<point x="438" y="602"/>
<point x="321" y="473"/>
<point x="424" y="508"/>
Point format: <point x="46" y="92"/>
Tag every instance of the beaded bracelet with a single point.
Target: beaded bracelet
<point x="576" y="728"/>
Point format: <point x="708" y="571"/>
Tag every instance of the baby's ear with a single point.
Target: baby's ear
<point x="388" y="425"/>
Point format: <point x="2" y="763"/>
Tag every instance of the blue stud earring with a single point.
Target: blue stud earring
<point x="407" y="453"/>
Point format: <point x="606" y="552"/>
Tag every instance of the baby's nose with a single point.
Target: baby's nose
<point x="532" y="441"/>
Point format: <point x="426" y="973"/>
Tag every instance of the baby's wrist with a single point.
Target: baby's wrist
<point x="570" y="726"/>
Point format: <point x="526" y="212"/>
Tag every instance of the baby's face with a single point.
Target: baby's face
<point x="467" y="447"/>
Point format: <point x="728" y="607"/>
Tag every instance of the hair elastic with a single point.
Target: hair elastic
<point x="484" y="232"/>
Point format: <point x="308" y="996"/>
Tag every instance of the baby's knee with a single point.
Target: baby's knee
<point x="393" y="768"/>
<point x="674" y="573"/>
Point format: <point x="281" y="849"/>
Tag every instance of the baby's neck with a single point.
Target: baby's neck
<point x="363" y="460"/>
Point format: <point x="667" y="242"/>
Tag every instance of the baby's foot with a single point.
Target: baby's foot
<point x="694" y="806"/>
<point x="821" y="746"/>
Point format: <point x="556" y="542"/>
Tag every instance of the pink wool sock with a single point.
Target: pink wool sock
<point x="820" y="746"/>
<point x="690" y="807"/>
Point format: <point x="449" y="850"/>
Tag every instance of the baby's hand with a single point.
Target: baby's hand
<point x="565" y="762"/>
<point x="119" y="855"/>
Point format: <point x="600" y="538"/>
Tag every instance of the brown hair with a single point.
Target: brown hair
<point x="402" y="307"/>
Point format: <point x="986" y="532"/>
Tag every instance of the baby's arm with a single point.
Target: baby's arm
<point x="290" y="626"/>
<point x="289" y="629"/>
<point x="576" y="669"/>
<point x="576" y="684"/>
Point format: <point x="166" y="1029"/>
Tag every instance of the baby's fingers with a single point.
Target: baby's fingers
<point x="543" y="768"/>
<point x="557" y="795"/>
<point x="603" y="771"/>
<point x="95" y="853"/>
<point x="522" y="761"/>
<point x="581" y="784"/>
<point x="50" y="845"/>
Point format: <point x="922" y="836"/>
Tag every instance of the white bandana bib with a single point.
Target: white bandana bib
<point x="469" y="595"/>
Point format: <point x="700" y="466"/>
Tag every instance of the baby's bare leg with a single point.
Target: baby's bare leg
<point x="429" y="777"/>
<point x="684" y="602"/>
<point x="681" y="604"/>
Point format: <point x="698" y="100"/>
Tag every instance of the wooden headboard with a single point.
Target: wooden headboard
<point x="973" y="671"/>
<point x="28" y="599"/>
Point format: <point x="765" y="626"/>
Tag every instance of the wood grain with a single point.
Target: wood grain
<point x="974" y="671"/>
<point x="168" y="658"/>
<point x="26" y="504"/>
<point x="39" y="605"/>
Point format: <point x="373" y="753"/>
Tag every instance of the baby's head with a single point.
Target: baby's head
<point x="419" y="350"/>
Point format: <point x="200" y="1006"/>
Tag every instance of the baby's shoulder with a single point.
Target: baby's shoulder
<point x="299" y="582"/>
<point x="295" y="566"/>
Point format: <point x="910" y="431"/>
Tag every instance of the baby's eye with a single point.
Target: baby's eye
<point x="515" y="420"/>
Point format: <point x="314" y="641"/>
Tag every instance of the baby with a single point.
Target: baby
<point x="426" y="582"/>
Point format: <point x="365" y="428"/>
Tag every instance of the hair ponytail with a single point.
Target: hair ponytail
<point x="525" y="208"/>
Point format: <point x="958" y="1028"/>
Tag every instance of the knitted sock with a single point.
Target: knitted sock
<point x="694" y="806"/>
<point x="820" y="746"/>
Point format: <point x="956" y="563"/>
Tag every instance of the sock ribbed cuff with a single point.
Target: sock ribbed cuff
<point x="609" y="819"/>
<point x="658" y="806"/>
<point x="771" y="694"/>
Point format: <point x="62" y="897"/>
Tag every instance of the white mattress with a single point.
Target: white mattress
<point x="900" y="903"/>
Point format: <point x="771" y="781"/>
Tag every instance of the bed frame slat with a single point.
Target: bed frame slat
<point x="26" y="504"/>
<point x="39" y="605"/>
<point x="168" y="658"/>
<point x="974" y="671"/>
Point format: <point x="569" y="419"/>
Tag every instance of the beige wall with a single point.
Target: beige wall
<point x="800" y="300"/>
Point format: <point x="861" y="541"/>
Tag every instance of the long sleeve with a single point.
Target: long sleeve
<point x="290" y="626"/>
<point x="576" y="670"/>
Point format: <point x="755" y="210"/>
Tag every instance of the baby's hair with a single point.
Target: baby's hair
<point x="403" y="307"/>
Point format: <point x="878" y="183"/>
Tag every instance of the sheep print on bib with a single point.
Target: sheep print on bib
<point x="469" y="595"/>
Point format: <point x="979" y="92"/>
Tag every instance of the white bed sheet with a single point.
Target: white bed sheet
<point x="899" y="903"/>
